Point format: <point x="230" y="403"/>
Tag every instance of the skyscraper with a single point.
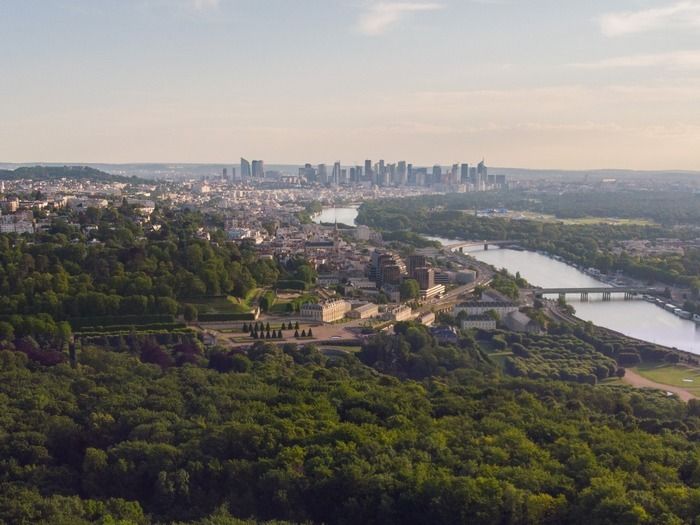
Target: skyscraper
<point x="454" y="174"/>
<point x="401" y="174"/>
<point x="482" y="175"/>
<point x="425" y="277"/>
<point x="464" y="174"/>
<point x="308" y="172"/>
<point x="368" y="169"/>
<point x="224" y="175"/>
<point x="335" y="177"/>
<point x="245" y="169"/>
<point x="322" y="174"/>
<point x="258" y="169"/>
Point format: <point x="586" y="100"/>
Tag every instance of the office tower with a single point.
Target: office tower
<point x="233" y="175"/>
<point x="454" y="174"/>
<point x="482" y="175"/>
<point x="356" y="175"/>
<point x="258" y="169"/>
<point x="410" y="175"/>
<point x="473" y="178"/>
<point x="308" y="172"/>
<point x="501" y="182"/>
<point x="464" y="174"/>
<point x="425" y="277"/>
<point x="380" y="261"/>
<point x="224" y="175"/>
<point x="368" y="170"/>
<point x="413" y="262"/>
<point x="335" y="177"/>
<point x="437" y="174"/>
<point x="421" y="175"/>
<point x="390" y="274"/>
<point x="322" y="174"/>
<point x="401" y="174"/>
<point x="245" y="169"/>
<point x="391" y="175"/>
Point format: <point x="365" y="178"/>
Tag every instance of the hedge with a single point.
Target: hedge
<point x="120" y="320"/>
<point x="160" y="327"/>
<point x="292" y="284"/>
<point x="204" y="318"/>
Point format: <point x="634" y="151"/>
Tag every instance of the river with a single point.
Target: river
<point x="345" y="215"/>
<point x="636" y="318"/>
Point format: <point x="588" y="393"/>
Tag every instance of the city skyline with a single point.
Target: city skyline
<point x="527" y="85"/>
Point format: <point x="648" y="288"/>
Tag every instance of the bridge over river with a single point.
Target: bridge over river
<point x="472" y="244"/>
<point x="607" y="292"/>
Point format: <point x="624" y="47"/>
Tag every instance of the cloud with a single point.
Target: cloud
<point x="680" y="60"/>
<point x="381" y="16"/>
<point x="684" y="14"/>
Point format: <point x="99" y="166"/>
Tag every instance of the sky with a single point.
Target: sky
<point x="569" y="84"/>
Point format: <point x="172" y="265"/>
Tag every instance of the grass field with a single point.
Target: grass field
<point x="226" y="305"/>
<point x="543" y="217"/>
<point x="673" y="375"/>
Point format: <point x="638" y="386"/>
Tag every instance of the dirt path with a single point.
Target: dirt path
<point x="634" y="379"/>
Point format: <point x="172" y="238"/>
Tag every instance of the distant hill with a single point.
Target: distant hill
<point x="68" y="172"/>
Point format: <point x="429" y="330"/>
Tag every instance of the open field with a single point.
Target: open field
<point x="225" y="304"/>
<point x="679" y="376"/>
<point x="543" y="217"/>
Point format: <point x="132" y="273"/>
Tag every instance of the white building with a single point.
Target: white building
<point x="427" y="319"/>
<point x="363" y="233"/>
<point x="502" y="308"/>
<point x="366" y="311"/>
<point x="398" y="313"/>
<point x="435" y="291"/>
<point x="482" y="322"/>
<point x="325" y="312"/>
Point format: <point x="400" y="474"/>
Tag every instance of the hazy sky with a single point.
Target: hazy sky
<point x="523" y="83"/>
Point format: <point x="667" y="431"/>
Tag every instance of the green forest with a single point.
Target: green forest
<point x="409" y="431"/>
<point x="80" y="173"/>
<point x="668" y="207"/>
<point x="125" y="274"/>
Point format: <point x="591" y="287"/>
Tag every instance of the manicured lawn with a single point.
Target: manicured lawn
<point x="226" y="305"/>
<point x="280" y="308"/>
<point x="673" y="375"/>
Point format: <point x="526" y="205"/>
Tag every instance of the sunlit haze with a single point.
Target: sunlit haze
<point x="522" y="83"/>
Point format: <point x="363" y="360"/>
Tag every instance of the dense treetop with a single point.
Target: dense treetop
<point x="81" y="173"/>
<point x="297" y="436"/>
